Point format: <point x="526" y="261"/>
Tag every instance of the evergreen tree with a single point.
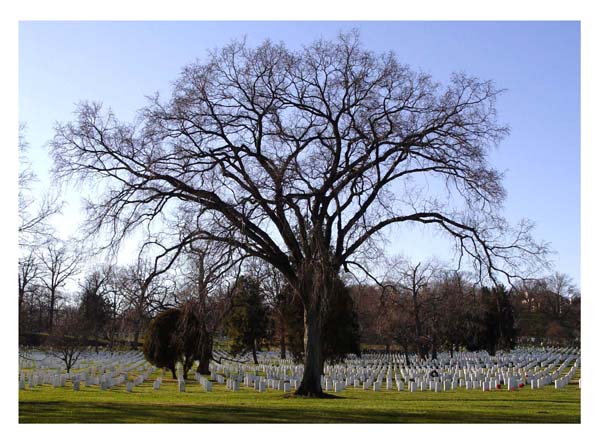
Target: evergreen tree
<point x="498" y="324"/>
<point x="341" y="331"/>
<point x="94" y="308"/>
<point x="247" y="323"/>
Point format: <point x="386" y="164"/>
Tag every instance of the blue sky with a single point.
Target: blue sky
<point x="538" y="63"/>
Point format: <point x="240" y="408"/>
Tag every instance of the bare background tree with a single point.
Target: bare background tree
<point x="66" y="340"/>
<point x="28" y="274"/>
<point x="34" y="216"/>
<point x="58" y="263"/>
<point x="412" y="280"/>
<point x="144" y="295"/>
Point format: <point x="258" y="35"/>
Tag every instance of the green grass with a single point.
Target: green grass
<point x="63" y="405"/>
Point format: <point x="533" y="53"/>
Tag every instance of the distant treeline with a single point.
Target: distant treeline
<point x="423" y="310"/>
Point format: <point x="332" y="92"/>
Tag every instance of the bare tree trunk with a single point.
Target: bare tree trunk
<point x="500" y="333"/>
<point x="282" y="346"/>
<point x="186" y="366"/>
<point x="418" y="327"/>
<point x="30" y="317"/>
<point x="311" y="380"/>
<point x="21" y="298"/>
<point x="40" y="318"/>
<point x="136" y="334"/>
<point x="205" y="355"/>
<point x="254" y="358"/>
<point x="51" y="310"/>
<point x="406" y="356"/>
<point x="315" y="284"/>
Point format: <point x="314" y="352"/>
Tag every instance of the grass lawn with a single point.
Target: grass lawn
<point x="63" y="405"/>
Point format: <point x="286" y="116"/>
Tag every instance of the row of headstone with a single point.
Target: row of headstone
<point x="501" y="377"/>
<point x="563" y="381"/>
<point x="52" y="366"/>
<point x="475" y="370"/>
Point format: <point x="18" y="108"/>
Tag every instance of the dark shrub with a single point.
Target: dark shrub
<point x="160" y="343"/>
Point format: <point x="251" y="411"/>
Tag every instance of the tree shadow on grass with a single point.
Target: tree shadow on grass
<point x="102" y="412"/>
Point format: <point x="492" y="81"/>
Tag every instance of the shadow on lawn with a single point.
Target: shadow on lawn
<point x="68" y="412"/>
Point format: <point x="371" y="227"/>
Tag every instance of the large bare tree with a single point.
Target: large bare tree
<point x="304" y="159"/>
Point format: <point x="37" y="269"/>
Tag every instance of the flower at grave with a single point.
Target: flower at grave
<point x="498" y="386"/>
<point x="521" y="385"/>
<point x="512" y="388"/>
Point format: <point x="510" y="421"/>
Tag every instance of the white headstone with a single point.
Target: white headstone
<point x="338" y="387"/>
